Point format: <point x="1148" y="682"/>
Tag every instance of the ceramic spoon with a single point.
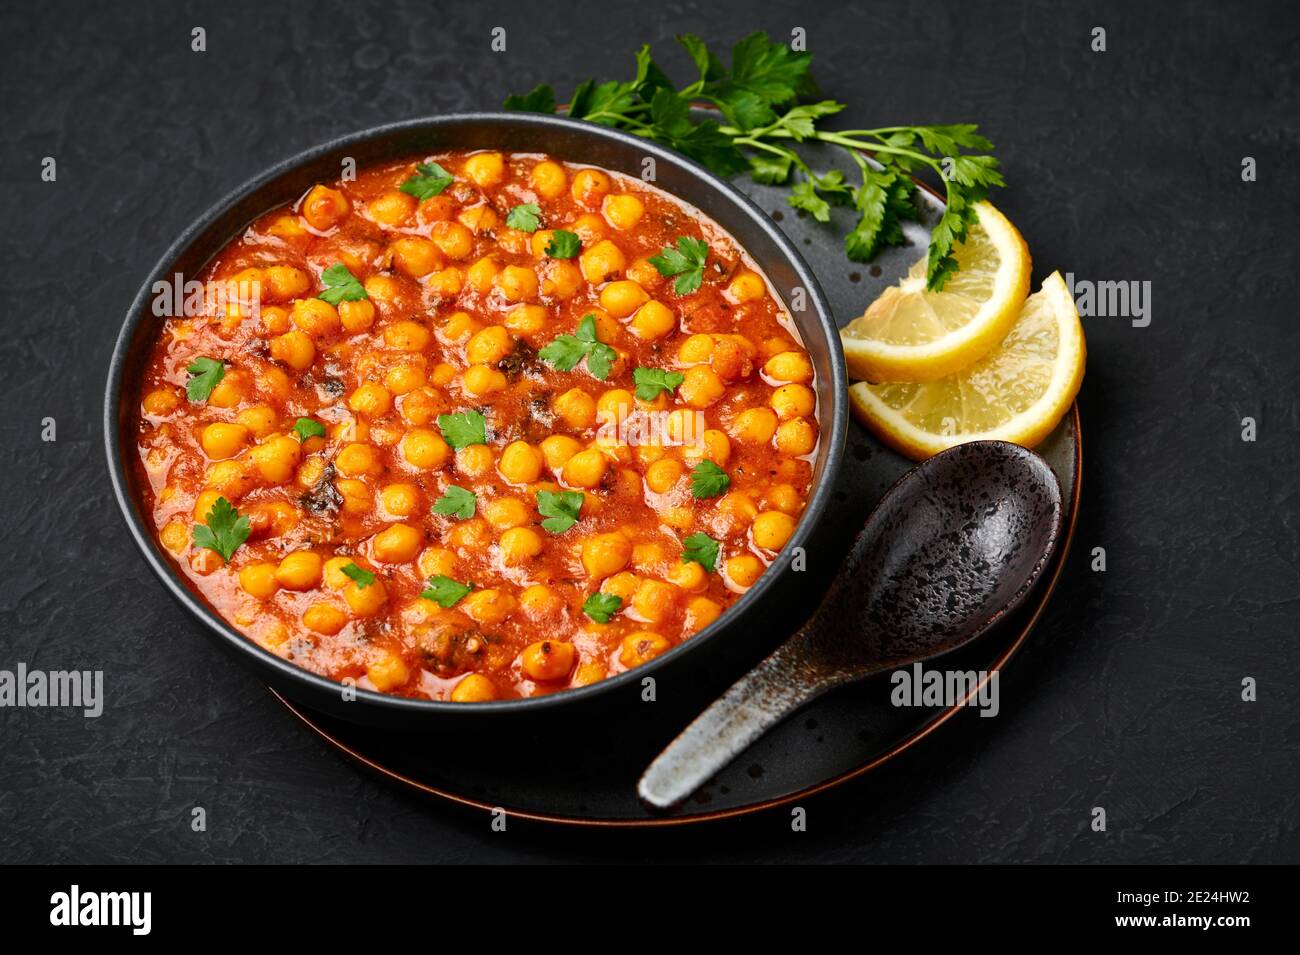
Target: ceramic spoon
<point x="955" y="545"/>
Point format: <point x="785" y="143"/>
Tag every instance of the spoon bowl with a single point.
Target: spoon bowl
<point x="955" y="545"/>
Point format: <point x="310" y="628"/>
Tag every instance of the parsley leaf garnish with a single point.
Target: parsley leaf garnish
<point x="341" y="285"/>
<point x="363" y="577"/>
<point x="686" y="262"/>
<point x="600" y="607"/>
<point x="560" y="508"/>
<point x="526" y="217"/>
<point x="308" y="428"/>
<point x="429" y="180"/>
<point x="463" y="429"/>
<point x="708" y="480"/>
<point x="563" y="245"/>
<point x="767" y="97"/>
<point x="205" y="375"/>
<point x="566" y="351"/>
<point x="456" y="502"/>
<point x="702" y="549"/>
<point x="223" y="531"/>
<point x="446" y="592"/>
<point x="650" y="382"/>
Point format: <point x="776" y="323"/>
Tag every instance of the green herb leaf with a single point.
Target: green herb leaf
<point x="706" y="61"/>
<point x="565" y="351"/>
<point x="708" y="480"/>
<point x="456" y="502"/>
<point x="769" y="169"/>
<point x="563" y="245"/>
<point x="205" y="375"/>
<point x="463" y="429"/>
<point x="429" y="180"/>
<point x="340" y="285"/>
<point x="766" y="68"/>
<point x="308" y="428"/>
<point x="560" y="508"/>
<point x="223" y="531"/>
<point x="702" y="549"/>
<point x="651" y="382"/>
<point x="446" y="592"/>
<point x="686" y="262"/>
<point x="541" y="99"/>
<point x="600" y="607"/>
<point x="363" y="577"/>
<point x="525" y="217"/>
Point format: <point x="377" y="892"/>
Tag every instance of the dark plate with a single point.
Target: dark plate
<point x="586" y="774"/>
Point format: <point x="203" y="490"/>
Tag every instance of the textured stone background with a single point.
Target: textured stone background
<point x="1123" y="165"/>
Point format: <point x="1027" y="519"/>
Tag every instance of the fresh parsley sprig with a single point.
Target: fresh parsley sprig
<point x="341" y="285"/>
<point x="429" y="180"/>
<point x="560" y="508"/>
<point x="205" y="374"/>
<point x="223" y="529"/>
<point x="566" y="351"/>
<point x="769" y="110"/>
<point x="686" y="262"/>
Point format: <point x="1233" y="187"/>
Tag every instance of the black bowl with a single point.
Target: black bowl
<point x="511" y="132"/>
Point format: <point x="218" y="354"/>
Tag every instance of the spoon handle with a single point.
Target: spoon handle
<point x="759" y="700"/>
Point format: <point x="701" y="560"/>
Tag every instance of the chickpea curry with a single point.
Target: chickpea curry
<point x="477" y="426"/>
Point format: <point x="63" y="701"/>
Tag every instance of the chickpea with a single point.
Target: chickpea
<point x="689" y="576"/>
<point x="365" y="601"/>
<point x="526" y="319"/>
<point x="357" y="459"/>
<point x="259" y="580"/>
<point x="590" y="186"/>
<point x="324" y="208"/>
<point x="281" y="282"/>
<point x="488" y="346"/>
<point x="392" y="208"/>
<point x="478" y="219"/>
<point x="453" y="239"/>
<point x="424" y="449"/>
<point x="793" y="401"/>
<point x="540" y="600"/>
<point x="622" y="585"/>
<point x="602" y="262"/>
<point x="470" y="536"/>
<point x="489" y="606"/>
<point x="520" y="463"/>
<point x="275" y="320"/>
<point x="415" y="256"/>
<point x="300" y="570"/>
<point x="388" y="672"/>
<point x="231" y="478"/>
<point x="701" y="387"/>
<point x="481" y="274"/>
<point x="403" y="379"/>
<point x="796" y="437"/>
<point x="714" y="445"/>
<point x="663" y="475"/>
<point x="400" y="500"/>
<point x="223" y="440"/>
<point x="789" y="366"/>
<point x="396" y="544"/>
<point x="358" y="316"/>
<point x="548" y="659"/>
<point x="437" y="562"/>
<point x="505" y="512"/>
<point x="332" y="572"/>
<point x="742" y="570"/>
<point x="745" y="287"/>
<point x="357" y="498"/>
<point x="615" y="404"/>
<point x="700" y="612"/>
<point x="324" y="618"/>
<point x="772" y="529"/>
<point x="276" y="458"/>
<point x="474" y="688"/>
<point x="175" y="536"/>
<point x="443" y="374"/>
<point x="586" y="468"/>
<point x="421" y="407"/>
<point x="260" y="420"/>
<point x="483" y="380"/>
<point x="605" y="554"/>
<point x="622" y="298"/>
<point x="485" y="170"/>
<point x="518" y="544"/>
<point x="457" y="326"/>
<point x="293" y="348"/>
<point x="548" y="179"/>
<point x="445" y="283"/>
<point x="641" y="647"/>
<point x="623" y="211"/>
<point x="575" y="408"/>
<point x="517" y="283"/>
<point x="754" y="426"/>
<point x="383" y="289"/>
<point x="654" y="600"/>
<point x="561" y="279"/>
<point x="406" y="336"/>
<point x="558" y="449"/>
<point x="475" y="460"/>
<point x="371" y="399"/>
<point x="695" y="349"/>
<point x="783" y="497"/>
<point x="652" y="321"/>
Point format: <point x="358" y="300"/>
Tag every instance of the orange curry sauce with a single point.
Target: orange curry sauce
<point x="457" y="307"/>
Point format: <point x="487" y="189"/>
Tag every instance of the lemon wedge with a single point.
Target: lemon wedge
<point x="1017" y="392"/>
<point x="910" y="334"/>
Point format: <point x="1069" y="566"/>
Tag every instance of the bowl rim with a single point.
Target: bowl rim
<point x="831" y="446"/>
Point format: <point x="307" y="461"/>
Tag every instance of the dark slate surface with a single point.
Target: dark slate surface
<point x="1124" y="165"/>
